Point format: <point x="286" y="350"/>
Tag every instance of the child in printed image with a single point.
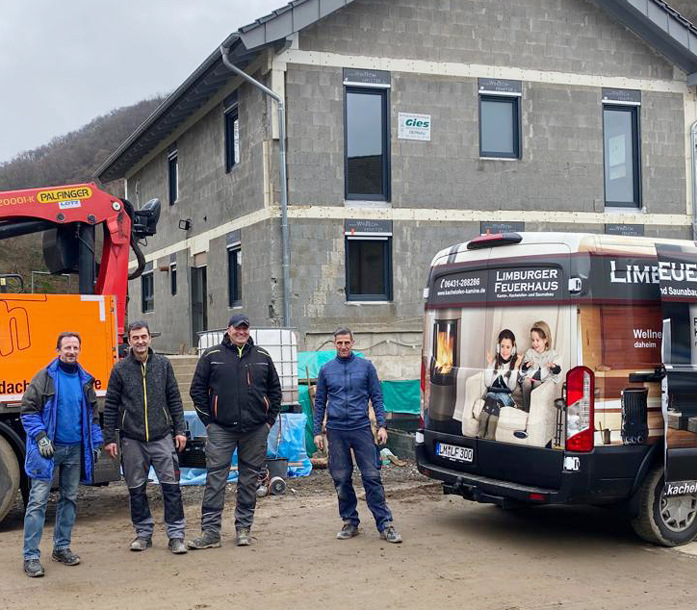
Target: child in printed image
<point x="500" y="377"/>
<point x="541" y="362"/>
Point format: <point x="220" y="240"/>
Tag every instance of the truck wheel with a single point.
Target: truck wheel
<point x="664" y="521"/>
<point x="10" y="477"/>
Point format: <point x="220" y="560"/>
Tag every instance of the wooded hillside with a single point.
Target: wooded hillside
<point x="67" y="159"/>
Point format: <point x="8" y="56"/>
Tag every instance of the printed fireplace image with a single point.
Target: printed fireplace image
<point x="444" y="367"/>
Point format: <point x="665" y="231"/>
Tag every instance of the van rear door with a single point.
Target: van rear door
<point x="677" y="273"/>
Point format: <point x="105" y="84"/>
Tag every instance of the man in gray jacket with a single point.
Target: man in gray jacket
<point x="144" y="398"/>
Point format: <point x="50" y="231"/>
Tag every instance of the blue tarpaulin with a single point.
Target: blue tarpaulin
<point x="290" y="444"/>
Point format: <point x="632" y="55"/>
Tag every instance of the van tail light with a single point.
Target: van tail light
<point x="425" y="392"/>
<point x="580" y="398"/>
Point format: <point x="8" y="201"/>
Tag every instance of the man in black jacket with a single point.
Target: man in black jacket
<point x="144" y="398"/>
<point x="237" y="395"/>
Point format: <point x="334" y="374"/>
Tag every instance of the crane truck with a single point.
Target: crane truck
<point x="69" y="217"/>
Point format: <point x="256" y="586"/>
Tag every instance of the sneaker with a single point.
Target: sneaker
<point x="140" y="544"/>
<point x="65" y="556"/>
<point x="348" y="531"/>
<point x="207" y="540"/>
<point x="33" y="568"/>
<point x="243" y="537"/>
<point x="390" y="534"/>
<point x="177" y="546"/>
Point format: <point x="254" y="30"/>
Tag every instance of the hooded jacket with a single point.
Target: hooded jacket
<point x="143" y="399"/>
<point x="39" y="409"/>
<point x="236" y="387"/>
<point x="346" y="385"/>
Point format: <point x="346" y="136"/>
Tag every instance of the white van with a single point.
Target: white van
<point x="562" y="368"/>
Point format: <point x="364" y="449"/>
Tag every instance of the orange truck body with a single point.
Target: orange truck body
<point x="29" y="327"/>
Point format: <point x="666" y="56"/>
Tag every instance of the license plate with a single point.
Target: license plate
<point x="455" y="452"/>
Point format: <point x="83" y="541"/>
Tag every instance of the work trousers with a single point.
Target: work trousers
<point x="251" y="454"/>
<point x="341" y="470"/>
<point x="137" y="457"/>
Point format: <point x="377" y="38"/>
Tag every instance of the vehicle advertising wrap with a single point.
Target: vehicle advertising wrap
<point x="677" y="274"/>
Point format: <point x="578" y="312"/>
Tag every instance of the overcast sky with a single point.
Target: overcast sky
<point x="65" y="62"/>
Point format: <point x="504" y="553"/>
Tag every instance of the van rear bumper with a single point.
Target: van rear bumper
<point x="607" y="475"/>
<point x="483" y="489"/>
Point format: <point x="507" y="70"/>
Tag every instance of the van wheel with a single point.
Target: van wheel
<point x="664" y="521"/>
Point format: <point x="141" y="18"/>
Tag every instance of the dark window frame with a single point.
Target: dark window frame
<point x="634" y="111"/>
<point x="173" y="279"/>
<point x="173" y="176"/>
<point x="387" y="269"/>
<point x="386" y="195"/>
<point x="234" y="283"/>
<point x="514" y="102"/>
<point x="147" y="292"/>
<point x="231" y="115"/>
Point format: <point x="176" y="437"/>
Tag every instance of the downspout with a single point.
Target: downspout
<point x="285" y="243"/>
<point x="693" y="144"/>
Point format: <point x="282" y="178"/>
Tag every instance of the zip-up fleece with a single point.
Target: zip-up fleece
<point x="236" y="387"/>
<point x="39" y="411"/>
<point x="347" y="384"/>
<point x="143" y="400"/>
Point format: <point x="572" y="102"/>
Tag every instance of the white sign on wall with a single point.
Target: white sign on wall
<point x="414" y="126"/>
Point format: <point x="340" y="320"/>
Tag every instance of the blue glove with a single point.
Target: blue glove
<point x="45" y="445"/>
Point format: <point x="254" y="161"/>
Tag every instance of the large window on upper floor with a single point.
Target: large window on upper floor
<point x="499" y="118"/>
<point x="367" y="135"/>
<point x="621" y="148"/>
<point x="173" y="174"/>
<point x="232" y="132"/>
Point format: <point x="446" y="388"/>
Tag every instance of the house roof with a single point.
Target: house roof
<point x="656" y="22"/>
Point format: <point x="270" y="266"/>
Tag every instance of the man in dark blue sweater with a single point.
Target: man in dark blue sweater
<point x="60" y="417"/>
<point x="344" y="387"/>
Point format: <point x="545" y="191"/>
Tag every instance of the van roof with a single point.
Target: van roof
<point x="575" y="242"/>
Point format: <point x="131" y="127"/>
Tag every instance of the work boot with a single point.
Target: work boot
<point x="33" y="568"/>
<point x="348" y="531"/>
<point x="177" y="546"/>
<point x="65" y="556"/>
<point x="140" y="544"/>
<point x="243" y="537"/>
<point x="390" y="534"/>
<point x="207" y="540"/>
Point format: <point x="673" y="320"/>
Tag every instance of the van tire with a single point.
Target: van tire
<point x="652" y="522"/>
<point x="10" y="476"/>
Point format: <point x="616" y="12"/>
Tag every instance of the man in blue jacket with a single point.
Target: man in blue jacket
<point x="344" y="387"/>
<point x="60" y="418"/>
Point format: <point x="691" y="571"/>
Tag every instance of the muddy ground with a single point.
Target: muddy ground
<point x="456" y="554"/>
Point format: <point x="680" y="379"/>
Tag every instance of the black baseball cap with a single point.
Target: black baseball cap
<point x="238" y="319"/>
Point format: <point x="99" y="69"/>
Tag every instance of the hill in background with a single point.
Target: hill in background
<point x="67" y="159"/>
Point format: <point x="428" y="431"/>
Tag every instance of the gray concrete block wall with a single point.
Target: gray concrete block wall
<point x="209" y="196"/>
<point x="315" y="115"/>
<point x="565" y="35"/>
<point x="561" y="168"/>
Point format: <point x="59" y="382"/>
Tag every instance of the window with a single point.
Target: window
<point x="173" y="172"/>
<point x="173" y="278"/>
<point x="232" y="137"/>
<point x="147" y="288"/>
<point x="621" y="153"/>
<point x="367" y="144"/>
<point x="234" y="275"/>
<point x="499" y="127"/>
<point x="369" y="269"/>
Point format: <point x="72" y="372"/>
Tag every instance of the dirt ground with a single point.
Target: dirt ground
<point x="455" y="554"/>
